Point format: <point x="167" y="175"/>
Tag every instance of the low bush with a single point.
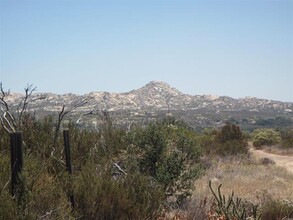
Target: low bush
<point x="99" y="196"/>
<point x="261" y="137"/>
<point x="8" y="205"/>
<point x="230" y="140"/>
<point x="38" y="195"/>
<point x="276" y="209"/>
<point x="287" y="138"/>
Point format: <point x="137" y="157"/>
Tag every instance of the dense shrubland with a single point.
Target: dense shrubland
<point x="143" y="173"/>
<point x="137" y="174"/>
<point x="116" y="174"/>
<point x="274" y="122"/>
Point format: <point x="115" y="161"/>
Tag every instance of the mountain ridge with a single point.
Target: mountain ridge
<point x="157" y="84"/>
<point x="158" y="99"/>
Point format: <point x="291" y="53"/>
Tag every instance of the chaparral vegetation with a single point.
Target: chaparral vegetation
<point x="160" y="170"/>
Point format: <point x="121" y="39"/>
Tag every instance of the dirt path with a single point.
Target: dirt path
<point x="283" y="161"/>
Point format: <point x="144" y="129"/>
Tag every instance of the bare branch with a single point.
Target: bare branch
<point x="39" y="98"/>
<point x="49" y="213"/>
<point x="28" y="92"/>
<point x="119" y="168"/>
<point x="79" y="104"/>
<point x="61" y="115"/>
<point x="53" y="156"/>
<point x="6" y="184"/>
<point x="65" y="111"/>
<point x="3" y="96"/>
<point x="12" y="119"/>
<point x="4" y="126"/>
<point x="7" y="122"/>
<point x="92" y="112"/>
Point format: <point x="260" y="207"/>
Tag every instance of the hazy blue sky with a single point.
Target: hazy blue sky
<point x="222" y="47"/>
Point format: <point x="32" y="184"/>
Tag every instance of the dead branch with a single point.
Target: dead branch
<point x="11" y="118"/>
<point x="5" y="122"/>
<point x="61" y="115"/>
<point x="3" y="96"/>
<point x="7" y="119"/>
<point x="92" y="112"/>
<point x="65" y="111"/>
<point x="53" y="156"/>
<point x="23" y="105"/>
<point x="4" y="126"/>
<point x="49" y="213"/>
<point x="119" y="168"/>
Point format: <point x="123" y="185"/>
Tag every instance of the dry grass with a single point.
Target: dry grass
<point x="248" y="179"/>
<point x="278" y="150"/>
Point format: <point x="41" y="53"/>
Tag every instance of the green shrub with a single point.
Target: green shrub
<point x="46" y="197"/>
<point x="275" y="122"/>
<point x="38" y="193"/>
<point x="99" y="196"/>
<point x="169" y="153"/>
<point x="261" y="137"/>
<point x="276" y="209"/>
<point x="287" y="138"/>
<point x="229" y="140"/>
<point x="8" y="205"/>
<point x="229" y="132"/>
<point x="206" y="141"/>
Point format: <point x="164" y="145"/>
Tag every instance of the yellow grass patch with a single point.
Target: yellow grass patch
<point x="248" y="179"/>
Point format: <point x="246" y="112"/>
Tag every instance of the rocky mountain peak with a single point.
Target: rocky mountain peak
<point x="158" y="83"/>
<point x="158" y="87"/>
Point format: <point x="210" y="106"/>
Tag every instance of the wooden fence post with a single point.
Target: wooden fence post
<point x="68" y="159"/>
<point x="16" y="154"/>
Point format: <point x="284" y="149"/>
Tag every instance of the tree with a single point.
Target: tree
<point x="230" y="140"/>
<point x="12" y="121"/>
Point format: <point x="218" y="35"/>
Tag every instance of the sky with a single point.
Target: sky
<point x="234" y="48"/>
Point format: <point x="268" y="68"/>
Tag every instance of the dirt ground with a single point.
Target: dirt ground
<point x="280" y="160"/>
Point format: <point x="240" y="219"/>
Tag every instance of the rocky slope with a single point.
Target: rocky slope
<point x="158" y="99"/>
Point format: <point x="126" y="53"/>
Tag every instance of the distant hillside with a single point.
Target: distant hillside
<point x="158" y="99"/>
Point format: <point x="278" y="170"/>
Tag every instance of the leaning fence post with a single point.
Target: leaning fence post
<point x="16" y="155"/>
<point x="68" y="159"/>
